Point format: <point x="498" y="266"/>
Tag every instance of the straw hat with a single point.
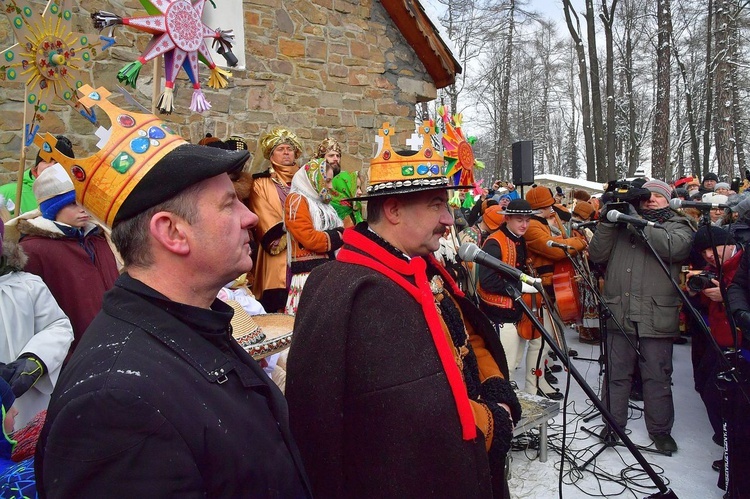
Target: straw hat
<point x="261" y="335"/>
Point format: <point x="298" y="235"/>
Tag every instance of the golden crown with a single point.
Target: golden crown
<point x="393" y="172"/>
<point x="128" y="150"/>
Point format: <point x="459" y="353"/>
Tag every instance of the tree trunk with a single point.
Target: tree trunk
<point x="588" y="138"/>
<point x="660" y="136"/>
<point x="504" y="152"/>
<point x="709" y="90"/>
<point x="596" y="94"/>
<point x="608" y="15"/>
<point x="739" y="128"/>
<point x="724" y="125"/>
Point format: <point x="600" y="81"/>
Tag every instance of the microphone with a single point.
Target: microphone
<point x="615" y="216"/>
<point x="679" y="203"/>
<point x="470" y="252"/>
<point x="582" y="225"/>
<point x="555" y="244"/>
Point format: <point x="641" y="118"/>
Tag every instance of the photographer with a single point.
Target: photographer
<point x="644" y="301"/>
<point x="705" y="287"/>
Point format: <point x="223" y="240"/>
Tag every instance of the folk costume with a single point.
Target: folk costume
<point x="270" y="190"/>
<point x="159" y="400"/>
<point x="403" y="403"/>
<point x="344" y="188"/>
<point x="503" y="311"/>
<point x="313" y="227"/>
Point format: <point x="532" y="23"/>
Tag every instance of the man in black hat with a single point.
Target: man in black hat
<point x="709" y="183"/>
<point x="159" y="400"/>
<point x="397" y="385"/>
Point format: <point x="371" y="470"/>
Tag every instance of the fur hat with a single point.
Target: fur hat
<point x="583" y="210"/>
<point x="712" y="198"/>
<point x="581" y="195"/>
<point x="540" y="197"/>
<point x="659" y="187"/>
<point x="721" y="237"/>
<point x="486" y="204"/>
<point x="493" y="217"/>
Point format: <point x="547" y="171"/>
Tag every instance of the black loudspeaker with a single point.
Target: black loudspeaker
<point x="523" y="162"/>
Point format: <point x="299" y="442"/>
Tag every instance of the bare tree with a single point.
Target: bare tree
<point x="660" y="164"/>
<point x="724" y="138"/>
<point x="607" y="16"/>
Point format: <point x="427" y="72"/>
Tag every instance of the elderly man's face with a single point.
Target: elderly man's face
<point x="709" y="184"/>
<point x="424" y="220"/>
<point x="284" y="155"/>
<point x="220" y="236"/>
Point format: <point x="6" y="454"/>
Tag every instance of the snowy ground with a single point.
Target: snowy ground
<point x="615" y="473"/>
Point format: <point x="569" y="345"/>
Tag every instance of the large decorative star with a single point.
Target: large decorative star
<point x="457" y="150"/>
<point x="179" y="35"/>
<point x="49" y="58"/>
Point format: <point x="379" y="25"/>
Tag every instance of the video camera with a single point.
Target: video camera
<point x="625" y="190"/>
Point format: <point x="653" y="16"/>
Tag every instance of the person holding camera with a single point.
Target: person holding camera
<point x="706" y="286"/>
<point x="646" y="304"/>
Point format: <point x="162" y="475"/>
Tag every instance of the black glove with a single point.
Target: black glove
<point x="742" y="319"/>
<point x="22" y="373"/>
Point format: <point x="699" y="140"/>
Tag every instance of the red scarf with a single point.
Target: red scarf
<point x="379" y="259"/>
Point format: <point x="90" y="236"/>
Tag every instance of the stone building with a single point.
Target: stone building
<point x="319" y="67"/>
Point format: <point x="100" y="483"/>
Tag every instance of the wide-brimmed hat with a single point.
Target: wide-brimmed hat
<point x="142" y="163"/>
<point x="261" y="335"/>
<point x="520" y="207"/>
<point x="402" y="172"/>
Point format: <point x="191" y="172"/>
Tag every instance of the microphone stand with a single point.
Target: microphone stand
<point x="664" y="491"/>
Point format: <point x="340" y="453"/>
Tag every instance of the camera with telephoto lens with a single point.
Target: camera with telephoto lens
<point x="702" y="281"/>
<point x="624" y="190"/>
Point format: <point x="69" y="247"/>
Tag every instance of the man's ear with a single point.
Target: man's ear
<point x="392" y="210"/>
<point x="170" y="231"/>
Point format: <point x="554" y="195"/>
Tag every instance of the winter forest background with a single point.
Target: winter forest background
<point x="604" y="87"/>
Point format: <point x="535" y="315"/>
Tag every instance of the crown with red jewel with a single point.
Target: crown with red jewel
<point x="128" y="151"/>
<point x="394" y="172"/>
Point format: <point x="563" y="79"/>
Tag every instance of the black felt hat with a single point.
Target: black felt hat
<point x="520" y="207"/>
<point x="720" y="237"/>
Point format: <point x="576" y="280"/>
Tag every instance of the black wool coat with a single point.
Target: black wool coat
<point x="369" y="402"/>
<point x="148" y="407"/>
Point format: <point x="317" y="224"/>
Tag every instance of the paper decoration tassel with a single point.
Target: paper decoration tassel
<point x="219" y="78"/>
<point x="166" y="101"/>
<point x="198" y="103"/>
<point x="129" y="74"/>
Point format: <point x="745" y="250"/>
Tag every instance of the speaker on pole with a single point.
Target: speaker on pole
<point x="523" y="162"/>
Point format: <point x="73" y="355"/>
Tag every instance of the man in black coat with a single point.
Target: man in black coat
<point x="159" y="400"/>
<point x="397" y="385"/>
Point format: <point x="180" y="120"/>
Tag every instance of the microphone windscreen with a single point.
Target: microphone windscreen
<point x="675" y="203"/>
<point x="468" y="252"/>
<point x="612" y="215"/>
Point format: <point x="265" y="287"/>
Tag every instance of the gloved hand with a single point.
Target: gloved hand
<point x="742" y="319"/>
<point x="22" y="373"/>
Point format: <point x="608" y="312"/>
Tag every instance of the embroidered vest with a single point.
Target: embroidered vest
<point x="508" y="249"/>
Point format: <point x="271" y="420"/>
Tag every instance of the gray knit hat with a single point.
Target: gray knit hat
<point x="659" y="187"/>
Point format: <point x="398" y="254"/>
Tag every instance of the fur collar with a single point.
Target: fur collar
<point x="42" y="227"/>
<point x="14" y="256"/>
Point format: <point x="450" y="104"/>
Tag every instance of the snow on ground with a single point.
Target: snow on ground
<point x="615" y="473"/>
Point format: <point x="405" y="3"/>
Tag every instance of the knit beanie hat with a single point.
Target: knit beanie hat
<point x="540" y="197"/>
<point x="659" y="187"/>
<point x="583" y="210"/>
<point x="712" y="198"/>
<point x="722" y="185"/>
<point x="743" y="208"/>
<point x="721" y="237"/>
<point x="54" y="191"/>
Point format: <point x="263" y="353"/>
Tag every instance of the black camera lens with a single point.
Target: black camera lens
<point x="700" y="282"/>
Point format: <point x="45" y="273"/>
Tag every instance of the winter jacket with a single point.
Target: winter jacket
<point x="151" y="405"/>
<point x="717" y="317"/>
<point x="543" y="257"/>
<point x="635" y="286"/>
<point x="31" y="322"/>
<point x="66" y="267"/>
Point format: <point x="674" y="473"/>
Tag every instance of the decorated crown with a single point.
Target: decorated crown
<point x="128" y="151"/>
<point x="394" y="173"/>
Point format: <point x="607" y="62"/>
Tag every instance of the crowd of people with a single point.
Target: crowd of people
<point x="402" y="376"/>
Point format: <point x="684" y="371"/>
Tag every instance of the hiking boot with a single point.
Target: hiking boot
<point x="664" y="442"/>
<point x="588" y="335"/>
<point x="556" y="395"/>
<point x="551" y="378"/>
<point x="555" y="368"/>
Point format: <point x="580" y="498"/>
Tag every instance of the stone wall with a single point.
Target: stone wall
<point x="319" y="67"/>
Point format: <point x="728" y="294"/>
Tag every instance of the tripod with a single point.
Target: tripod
<point x="664" y="491"/>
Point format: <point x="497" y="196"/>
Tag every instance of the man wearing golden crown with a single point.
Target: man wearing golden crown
<point x="159" y="400"/>
<point x="270" y="189"/>
<point x="403" y="391"/>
